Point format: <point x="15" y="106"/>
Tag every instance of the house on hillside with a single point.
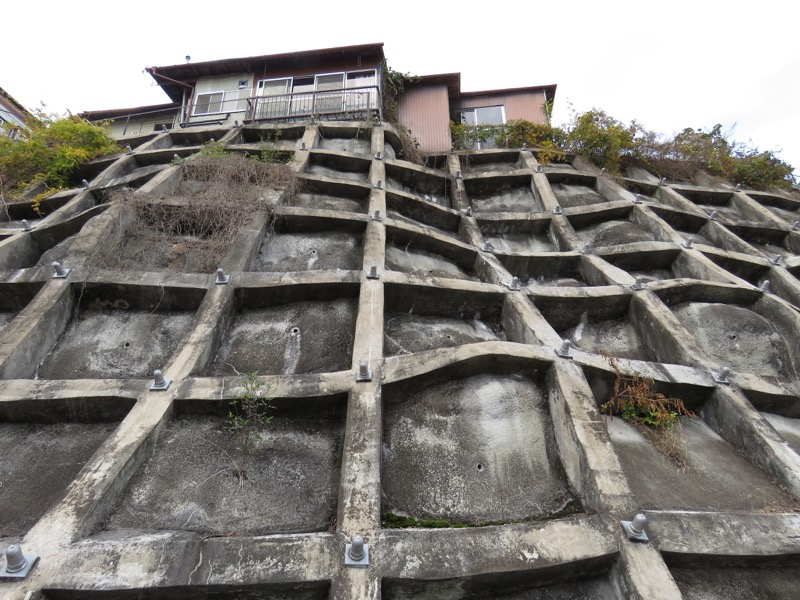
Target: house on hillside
<point x="13" y="115"/>
<point x="332" y="84"/>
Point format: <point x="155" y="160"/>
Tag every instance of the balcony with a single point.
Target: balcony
<point x="350" y="104"/>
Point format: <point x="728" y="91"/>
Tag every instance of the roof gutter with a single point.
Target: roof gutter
<point x="154" y="73"/>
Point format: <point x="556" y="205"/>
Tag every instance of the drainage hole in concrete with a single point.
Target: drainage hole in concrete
<point x="732" y="336"/>
<point x="313" y="252"/>
<point x="449" y="337"/>
<point x="126" y="345"/>
<point x="480" y="467"/>
<point x="295" y="330"/>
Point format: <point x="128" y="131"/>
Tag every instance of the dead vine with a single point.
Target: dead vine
<point x="192" y="230"/>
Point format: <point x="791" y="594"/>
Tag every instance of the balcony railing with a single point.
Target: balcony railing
<point x="337" y="105"/>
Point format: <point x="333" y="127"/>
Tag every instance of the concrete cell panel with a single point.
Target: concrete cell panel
<point x="310" y="251"/>
<point x="615" y="337"/>
<point x="715" y="477"/>
<point x="406" y="334"/>
<point x="328" y="202"/>
<point x="267" y="591"/>
<point x="201" y="477"/>
<point x="38" y="464"/>
<point x="109" y="344"/>
<point x="521" y="242"/>
<point x="613" y="233"/>
<point x="741" y="582"/>
<point x="502" y="194"/>
<point x="491" y="162"/>
<point x="567" y="586"/>
<point x="739" y="338"/>
<point x="338" y="166"/>
<point x="787" y="427"/>
<point x="300" y="337"/>
<point x="354" y="145"/>
<point x="472" y="450"/>
<point x="573" y="195"/>
<point x="423" y="263"/>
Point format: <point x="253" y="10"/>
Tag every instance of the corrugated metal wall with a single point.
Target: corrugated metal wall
<point x="526" y="105"/>
<point x="425" y="110"/>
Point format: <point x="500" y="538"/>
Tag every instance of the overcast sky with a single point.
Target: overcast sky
<point x="667" y="65"/>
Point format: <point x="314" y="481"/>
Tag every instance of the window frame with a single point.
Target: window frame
<point x="210" y="104"/>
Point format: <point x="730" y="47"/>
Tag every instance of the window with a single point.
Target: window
<point x="209" y="103"/>
<point x="485" y="115"/>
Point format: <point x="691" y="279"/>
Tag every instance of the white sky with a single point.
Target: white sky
<point x="667" y="65"/>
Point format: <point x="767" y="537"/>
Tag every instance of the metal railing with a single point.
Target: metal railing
<point x="342" y="104"/>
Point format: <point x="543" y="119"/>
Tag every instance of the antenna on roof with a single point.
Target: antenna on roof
<point x="188" y="58"/>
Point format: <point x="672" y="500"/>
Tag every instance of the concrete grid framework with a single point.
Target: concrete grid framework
<point x="468" y="413"/>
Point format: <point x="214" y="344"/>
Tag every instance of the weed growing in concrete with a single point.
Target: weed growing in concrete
<point x="656" y="414"/>
<point x="248" y="416"/>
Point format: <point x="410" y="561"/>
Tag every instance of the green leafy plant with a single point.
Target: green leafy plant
<point x="213" y="148"/>
<point x="635" y="401"/>
<point x="248" y="416"/>
<point x="50" y="151"/>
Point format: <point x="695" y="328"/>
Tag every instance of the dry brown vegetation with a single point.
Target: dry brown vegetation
<point x="192" y="230"/>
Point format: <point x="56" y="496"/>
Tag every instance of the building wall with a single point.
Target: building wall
<point x="425" y="111"/>
<point x="527" y="105"/>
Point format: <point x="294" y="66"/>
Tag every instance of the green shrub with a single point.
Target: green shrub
<point x="50" y="151"/>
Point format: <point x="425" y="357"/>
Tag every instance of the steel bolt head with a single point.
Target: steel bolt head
<point x="357" y="547"/>
<point x="15" y="560"/>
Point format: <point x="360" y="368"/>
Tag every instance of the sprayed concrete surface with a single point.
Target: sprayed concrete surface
<point x="200" y="478"/>
<point x="426" y="264"/>
<point x="521" y="242"/>
<point x="37" y="464"/>
<point x="471" y="450"/>
<point x="518" y="199"/>
<point x="301" y="337"/>
<point x="571" y="195"/>
<point x="115" y="343"/>
<point x="596" y="588"/>
<point x="715" y="477"/>
<point x="406" y="334"/>
<point x="613" y="233"/>
<point x="615" y="337"/>
<point x="275" y="591"/>
<point x="313" y="251"/>
<point x="738" y="337"/>
<point x="327" y="202"/>
<point x="766" y="583"/>
<point x="787" y="427"/>
<point x="353" y="145"/>
<point x="332" y="173"/>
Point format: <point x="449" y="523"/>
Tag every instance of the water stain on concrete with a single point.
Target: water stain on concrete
<point x="738" y="338"/>
<point x="301" y="337"/>
<point x="112" y="344"/>
<point x="406" y="334"/>
<point x="472" y="450"/>
<point x="311" y="251"/>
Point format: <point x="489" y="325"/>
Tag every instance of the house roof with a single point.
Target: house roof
<point x="175" y="78"/>
<point x="453" y="83"/>
<point x="114" y="113"/>
<point x="11" y="103"/>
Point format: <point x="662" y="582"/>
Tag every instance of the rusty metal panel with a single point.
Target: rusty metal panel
<point x="527" y="105"/>
<point x="425" y="110"/>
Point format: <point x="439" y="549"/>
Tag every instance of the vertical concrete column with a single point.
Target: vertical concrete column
<point x="36" y="329"/>
<point x="301" y="157"/>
